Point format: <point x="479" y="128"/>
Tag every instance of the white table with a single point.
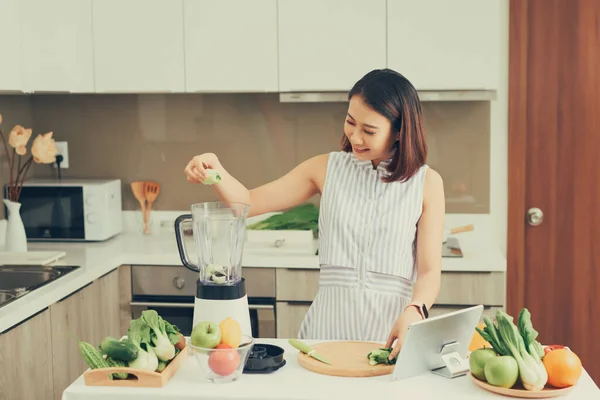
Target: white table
<point x="293" y="382"/>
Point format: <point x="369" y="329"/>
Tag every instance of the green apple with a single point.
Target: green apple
<point x="502" y="371"/>
<point x="206" y="334"/>
<point x="477" y="361"/>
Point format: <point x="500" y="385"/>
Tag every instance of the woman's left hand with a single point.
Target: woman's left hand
<point x="410" y="315"/>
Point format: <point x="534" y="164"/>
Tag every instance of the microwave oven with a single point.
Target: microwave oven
<point x="71" y="210"/>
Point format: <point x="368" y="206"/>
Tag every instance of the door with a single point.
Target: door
<point x="554" y="166"/>
<point x="329" y="44"/>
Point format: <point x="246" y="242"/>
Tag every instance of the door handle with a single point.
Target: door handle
<point x="535" y="216"/>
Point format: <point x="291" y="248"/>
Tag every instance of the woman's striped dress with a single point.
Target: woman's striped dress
<point x="367" y="231"/>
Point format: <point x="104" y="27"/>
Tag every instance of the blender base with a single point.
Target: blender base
<point x="217" y="310"/>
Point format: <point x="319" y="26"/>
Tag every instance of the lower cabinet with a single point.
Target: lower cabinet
<point x="296" y="289"/>
<point x="26" y="360"/>
<point x="89" y="314"/>
<point x="44" y="348"/>
<point x="289" y="318"/>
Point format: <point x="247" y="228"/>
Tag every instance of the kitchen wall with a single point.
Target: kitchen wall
<point x="256" y="137"/>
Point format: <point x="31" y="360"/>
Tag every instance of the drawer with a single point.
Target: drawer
<point x="297" y="284"/>
<point x="289" y="318"/>
<point x="468" y="288"/>
<point x="176" y="280"/>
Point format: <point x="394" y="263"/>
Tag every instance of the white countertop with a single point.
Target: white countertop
<point x="133" y="248"/>
<point x="293" y="382"/>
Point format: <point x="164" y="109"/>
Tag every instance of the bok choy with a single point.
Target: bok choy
<point x="163" y="348"/>
<point x="139" y="333"/>
<point x="506" y="339"/>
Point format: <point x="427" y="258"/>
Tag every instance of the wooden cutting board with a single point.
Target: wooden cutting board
<point x="347" y="358"/>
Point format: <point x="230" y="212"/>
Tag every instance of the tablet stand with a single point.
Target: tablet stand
<point x="455" y="364"/>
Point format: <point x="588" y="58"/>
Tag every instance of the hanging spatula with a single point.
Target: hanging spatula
<point x="137" y="187"/>
<point x="151" y="191"/>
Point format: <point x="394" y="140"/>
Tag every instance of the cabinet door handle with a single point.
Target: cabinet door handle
<point x="191" y="305"/>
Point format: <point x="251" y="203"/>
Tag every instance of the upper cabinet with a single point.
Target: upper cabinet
<point x="327" y="45"/>
<point x="230" y="45"/>
<point x="236" y="46"/>
<point x="440" y="44"/>
<point x="138" y="45"/>
<point x="57" y="45"/>
<point x="10" y="43"/>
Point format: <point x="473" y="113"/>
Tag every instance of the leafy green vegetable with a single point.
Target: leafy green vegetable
<point x="381" y="356"/>
<point x="304" y="217"/>
<point x="173" y="332"/>
<point x="163" y="348"/>
<point x="507" y="340"/>
<point x="161" y="366"/>
<point x="530" y="335"/>
<point x="139" y="333"/>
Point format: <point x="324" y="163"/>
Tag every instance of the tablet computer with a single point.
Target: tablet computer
<point x="438" y="344"/>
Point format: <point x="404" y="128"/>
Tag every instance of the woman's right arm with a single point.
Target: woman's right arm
<point x="292" y="189"/>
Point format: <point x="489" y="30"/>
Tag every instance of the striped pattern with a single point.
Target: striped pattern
<point x="366" y="250"/>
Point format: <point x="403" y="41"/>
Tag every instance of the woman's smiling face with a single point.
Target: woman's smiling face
<point x="368" y="132"/>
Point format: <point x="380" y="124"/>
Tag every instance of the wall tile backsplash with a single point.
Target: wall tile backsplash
<point x="257" y="138"/>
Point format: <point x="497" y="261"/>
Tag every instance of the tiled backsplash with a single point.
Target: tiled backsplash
<point x="256" y="137"/>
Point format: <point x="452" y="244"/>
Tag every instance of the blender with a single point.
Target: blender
<point x="219" y="232"/>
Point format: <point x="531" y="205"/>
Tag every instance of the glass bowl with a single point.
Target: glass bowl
<point x="222" y="365"/>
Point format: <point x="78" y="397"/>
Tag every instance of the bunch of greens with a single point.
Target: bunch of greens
<point x="381" y="356"/>
<point x="304" y="217"/>
<point x="150" y="344"/>
<point x="519" y="343"/>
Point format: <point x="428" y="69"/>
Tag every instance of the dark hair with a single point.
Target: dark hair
<point x="390" y="94"/>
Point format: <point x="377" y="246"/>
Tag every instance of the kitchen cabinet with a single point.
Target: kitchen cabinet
<point x="297" y="288"/>
<point x="138" y="45"/>
<point x="440" y="44"/>
<point x="26" y="359"/>
<point x="327" y="45"/>
<point x="10" y="43"/>
<point x="289" y="318"/>
<point x="230" y="45"/>
<point x="57" y="45"/>
<point x="89" y="314"/>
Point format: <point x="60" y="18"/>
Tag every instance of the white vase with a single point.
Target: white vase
<point x="16" y="239"/>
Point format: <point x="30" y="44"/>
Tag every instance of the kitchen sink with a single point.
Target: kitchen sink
<point x="18" y="280"/>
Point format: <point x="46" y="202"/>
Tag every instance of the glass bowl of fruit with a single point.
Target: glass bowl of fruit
<point x="221" y="350"/>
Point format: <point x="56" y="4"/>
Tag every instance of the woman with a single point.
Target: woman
<point x="381" y="216"/>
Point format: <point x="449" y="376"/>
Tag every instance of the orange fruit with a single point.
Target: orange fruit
<point x="477" y="341"/>
<point x="563" y="367"/>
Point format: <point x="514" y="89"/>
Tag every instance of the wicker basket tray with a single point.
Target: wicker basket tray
<point x="137" y="377"/>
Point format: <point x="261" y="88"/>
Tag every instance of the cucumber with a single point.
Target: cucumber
<point x="119" y="350"/>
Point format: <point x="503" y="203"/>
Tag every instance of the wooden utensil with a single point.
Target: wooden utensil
<point x="137" y="187"/>
<point x="151" y="191"/>
<point x="459" y="229"/>
<point x="348" y="358"/>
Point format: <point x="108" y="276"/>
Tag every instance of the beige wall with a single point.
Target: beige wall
<point x="257" y="138"/>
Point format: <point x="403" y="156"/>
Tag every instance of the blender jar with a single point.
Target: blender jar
<point x="219" y="232"/>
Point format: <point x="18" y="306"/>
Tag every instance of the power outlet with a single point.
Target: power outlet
<point x="63" y="150"/>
